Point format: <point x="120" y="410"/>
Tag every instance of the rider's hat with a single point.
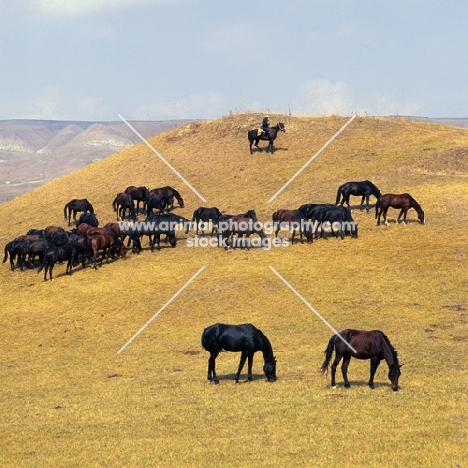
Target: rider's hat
<point x="266" y="117"/>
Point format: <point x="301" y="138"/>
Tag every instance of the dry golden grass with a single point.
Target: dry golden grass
<point x="70" y="400"/>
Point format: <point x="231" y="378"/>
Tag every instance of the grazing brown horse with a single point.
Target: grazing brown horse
<point x="403" y="202"/>
<point x="373" y="345"/>
<point x="294" y="220"/>
<point x="75" y="205"/>
<point x="105" y="242"/>
<point x="169" y="192"/>
<point x="138" y="194"/>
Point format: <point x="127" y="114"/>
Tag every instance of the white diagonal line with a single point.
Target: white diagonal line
<point x="161" y="309"/>
<point x="310" y="307"/>
<point x="312" y="158"/>
<point x="162" y="158"/>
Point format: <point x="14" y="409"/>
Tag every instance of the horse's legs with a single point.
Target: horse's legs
<point x="211" y="367"/>
<point x="243" y="358"/>
<point x="334" y="366"/>
<point x="400" y="214"/>
<point x="374" y="363"/>
<point x="344" y="369"/>
<point x="384" y="215"/>
<point x="249" y="366"/>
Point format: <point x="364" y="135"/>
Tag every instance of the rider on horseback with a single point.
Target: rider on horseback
<point x="265" y="126"/>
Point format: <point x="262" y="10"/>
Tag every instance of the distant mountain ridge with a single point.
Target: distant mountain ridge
<point x="32" y="152"/>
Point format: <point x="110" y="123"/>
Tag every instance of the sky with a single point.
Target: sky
<point x="201" y="59"/>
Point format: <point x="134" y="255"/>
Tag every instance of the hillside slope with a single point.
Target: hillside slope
<point x="72" y="400"/>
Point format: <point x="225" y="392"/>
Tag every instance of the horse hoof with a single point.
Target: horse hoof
<point x="334" y="387"/>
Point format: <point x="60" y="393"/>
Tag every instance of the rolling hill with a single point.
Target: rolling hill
<point x="72" y="400"/>
<point x="33" y="152"/>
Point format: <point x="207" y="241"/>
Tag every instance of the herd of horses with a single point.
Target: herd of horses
<point x="84" y="242"/>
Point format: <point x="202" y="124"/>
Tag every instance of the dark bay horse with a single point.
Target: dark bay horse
<point x="122" y="203"/>
<point x="75" y="205"/>
<point x="294" y="220"/>
<point x="240" y="226"/>
<point x="403" y="202"/>
<point x="244" y="338"/>
<point x="206" y="215"/>
<point x="373" y="345"/>
<point x="88" y="218"/>
<point x="270" y="137"/>
<point x="138" y="194"/>
<point x="365" y="189"/>
<point x="171" y="193"/>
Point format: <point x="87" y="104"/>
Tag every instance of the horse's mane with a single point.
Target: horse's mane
<point x="415" y="204"/>
<point x="267" y="349"/>
<point x="392" y="349"/>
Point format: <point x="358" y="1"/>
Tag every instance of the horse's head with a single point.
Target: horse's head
<point x="422" y="217"/>
<point x="270" y="370"/>
<point x="394" y="374"/>
<point x="281" y="127"/>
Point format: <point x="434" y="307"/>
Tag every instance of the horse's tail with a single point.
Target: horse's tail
<point x="114" y="204"/>
<point x="377" y="206"/>
<point x="43" y="265"/>
<point x="328" y="354"/>
<point x="65" y="210"/>
<point x="6" y="254"/>
<point x="179" y="199"/>
<point x="338" y="196"/>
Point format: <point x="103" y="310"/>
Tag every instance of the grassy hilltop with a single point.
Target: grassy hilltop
<point x="70" y="400"/>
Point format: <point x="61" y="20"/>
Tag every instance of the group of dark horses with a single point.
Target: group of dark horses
<point x="247" y="339"/>
<point x="365" y="189"/>
<point x="54" y="245"/>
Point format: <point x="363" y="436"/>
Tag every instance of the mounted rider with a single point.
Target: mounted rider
<point x="265" y="126"/>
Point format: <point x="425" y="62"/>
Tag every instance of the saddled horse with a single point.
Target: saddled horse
<point x="171" y="193"/>
<point x="138" y="194"/>
<point x="75" y="205"/>
<point x="373" y="345"/>
<point x="206" y="215"/>
<point x="244" y="338"/>
<point x="122" y="203"/>
<point x="294" y="220"/>
<point x="403" y="202"/>
<point x="364" y="189"/>
<point x="270" y="136"/>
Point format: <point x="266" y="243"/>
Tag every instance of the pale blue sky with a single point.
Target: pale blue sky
<point x="171" y="59"/>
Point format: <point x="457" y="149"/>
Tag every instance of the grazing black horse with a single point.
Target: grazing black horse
<point x="75" y="205"/>
<point x="373" y="345"/>
<point x="159" y="202"/>
<point x="365" y="189"/>
<point x="270" y="136"/>
<point x="206" y="215"/>
<point x="403" y="201"/>
<point x="138" y="194"/>
<point x="68" y="252"/>
<point x="244" y="338"/>
<point x="171" y="193"/>
<point x="88" y="218"/>
<point x="13" y="250"/>
<point x="326" y="215"/>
